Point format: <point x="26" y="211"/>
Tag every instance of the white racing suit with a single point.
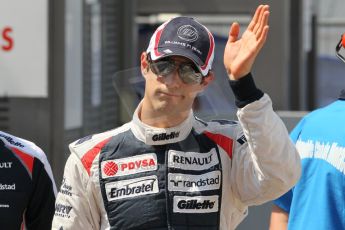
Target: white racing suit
<point x="198" y="175"/>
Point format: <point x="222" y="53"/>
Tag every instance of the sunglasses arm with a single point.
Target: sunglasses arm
<point x="339" y="46"/>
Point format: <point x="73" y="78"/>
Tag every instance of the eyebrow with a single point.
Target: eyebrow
<point x="182" y="61"/>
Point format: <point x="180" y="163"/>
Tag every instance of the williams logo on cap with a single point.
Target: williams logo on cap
<point x="187" y="33"/>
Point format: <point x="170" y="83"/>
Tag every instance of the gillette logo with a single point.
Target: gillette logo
<point x="195" y="204"/>
<point x="164" y="136"/>
<point x="11" y="141"/>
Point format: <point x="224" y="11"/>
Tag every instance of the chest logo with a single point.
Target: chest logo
<point x="132" y="188"/>
<point x="193" y="160"/>
<point x="129" y="165"/>
<point x="194" y="183"/>
<point x="195" y="204"/>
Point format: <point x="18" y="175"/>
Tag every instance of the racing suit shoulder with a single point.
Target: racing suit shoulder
<point x="79" y="203"/>
<point x="29" y="149"/>
<point x="25" y="146"/>
<point x="87" y="148"/>
<point x="228" y="128"/>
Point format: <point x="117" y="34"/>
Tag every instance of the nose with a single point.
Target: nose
<point x="173" y="79"/>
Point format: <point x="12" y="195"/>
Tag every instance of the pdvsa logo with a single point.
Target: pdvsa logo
<point x="129" y="165"/>
<point x="188" y="33"/>
<point x="165" y="136"/>
<point x="110" y="168"/>
<point x="196" y="204"/>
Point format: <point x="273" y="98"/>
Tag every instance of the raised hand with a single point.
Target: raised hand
<point x="240" y="54"/>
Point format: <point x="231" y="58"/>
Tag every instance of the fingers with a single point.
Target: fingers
<point x="262" y="25"/>
<point x="260" y="20"/>
<point x="263" y="36"/>
<point x="255" y="17"/>
<point x="234" y="31"/>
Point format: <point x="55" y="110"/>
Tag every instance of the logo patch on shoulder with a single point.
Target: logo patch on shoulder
<point x="63" y="210"/>
<point x="132" y="188"/>
<point x="242" y="140"/>
<point x="129" y="165"/>
<point x="195" y="204"/>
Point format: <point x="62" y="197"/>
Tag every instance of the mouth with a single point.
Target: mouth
<point x="175" y="95"/>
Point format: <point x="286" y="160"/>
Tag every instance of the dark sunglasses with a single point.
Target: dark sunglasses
<point x="188" y="72"/>
<point x="340" y="44"/>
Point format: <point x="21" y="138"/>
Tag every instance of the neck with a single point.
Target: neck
<point x="161" y="118"/>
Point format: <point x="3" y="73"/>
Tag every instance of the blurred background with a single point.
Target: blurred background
<point x="69" y="68"/>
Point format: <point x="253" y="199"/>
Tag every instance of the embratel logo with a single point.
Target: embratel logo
<point x="129" y="165"/>
<point x="187" y="33"/>
<point x="164" y="136"/>
<point x="194" y="183"/>
<point x="131" y="188"/>
<point x="192" y="160"/>
<point x="195" y="204"/>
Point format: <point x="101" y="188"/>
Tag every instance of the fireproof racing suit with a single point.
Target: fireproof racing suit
<point x="198" y="175"/>
<point x="27" y="187"/>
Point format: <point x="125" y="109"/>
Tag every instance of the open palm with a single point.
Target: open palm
<point x="240" y="54"/>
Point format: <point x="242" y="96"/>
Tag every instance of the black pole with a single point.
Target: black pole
<point x="311" y="66"/>
<point x="295" y="55"/>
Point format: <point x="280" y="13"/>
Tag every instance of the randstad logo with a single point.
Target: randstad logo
<point x="188" y="33"/>
<point x="164" y="136"/>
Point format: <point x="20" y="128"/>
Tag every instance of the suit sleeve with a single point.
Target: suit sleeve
<point x="268" y="165"/>
<point x="41" y="206"/>
<point x="75" y="206"/>
<point x="284" y="202"/>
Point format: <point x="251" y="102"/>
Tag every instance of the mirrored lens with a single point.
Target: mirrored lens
<point x="162" y="68"/>
<point x="188" y="74"/>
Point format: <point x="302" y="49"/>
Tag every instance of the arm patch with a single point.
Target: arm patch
<point x="242" y="140"/>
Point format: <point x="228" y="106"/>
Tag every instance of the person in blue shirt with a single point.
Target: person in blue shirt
<point x="318" y="200"/>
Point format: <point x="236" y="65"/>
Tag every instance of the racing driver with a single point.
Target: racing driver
<point x="167" y="169"/>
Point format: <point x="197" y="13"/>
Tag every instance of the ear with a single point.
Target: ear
<point x="208" y="79"/>
<point x="144" y="65"/>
